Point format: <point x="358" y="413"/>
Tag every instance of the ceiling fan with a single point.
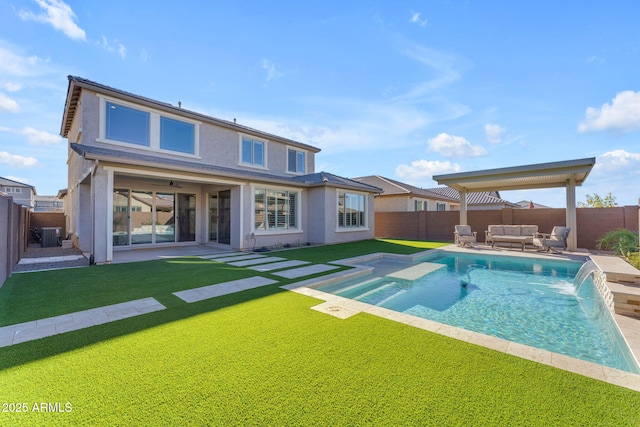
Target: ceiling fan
<point x="172" y="184"/>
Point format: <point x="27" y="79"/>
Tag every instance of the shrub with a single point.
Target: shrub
<point x="621" y="241"/>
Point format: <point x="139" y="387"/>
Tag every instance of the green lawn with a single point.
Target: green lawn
<point x="263" y="357"/>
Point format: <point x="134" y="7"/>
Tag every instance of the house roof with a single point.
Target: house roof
<point x="526" y="204"/>
<point x="324" y="178"/>
<point x="477" y="198"/>
<point x="76" y="84"/>
<point x="542" y="175"/>
<point x="10" y="182"/>
<point x="91" y="152"/>
<point x="392" y="187"/>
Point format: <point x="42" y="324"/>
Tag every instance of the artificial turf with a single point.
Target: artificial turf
<point x="263" y="357"/>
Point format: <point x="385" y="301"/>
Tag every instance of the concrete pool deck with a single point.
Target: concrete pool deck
<point x="344" y="308"/>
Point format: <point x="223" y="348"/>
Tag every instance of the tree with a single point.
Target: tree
<point x="596" y="201"/>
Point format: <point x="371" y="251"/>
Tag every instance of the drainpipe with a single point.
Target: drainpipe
<point x="94" y="168"/>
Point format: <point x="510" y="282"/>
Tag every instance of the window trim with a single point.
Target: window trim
<point x="265" y="150"/>
<point x="297" y="151"/>
<point x="275" y="231"/>
<point x="154" y="128"/>
<point x="366" y="207"/>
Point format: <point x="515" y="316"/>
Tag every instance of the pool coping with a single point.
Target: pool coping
<point x="344" y="308"/>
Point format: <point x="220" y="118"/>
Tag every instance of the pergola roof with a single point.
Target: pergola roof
<point x="541" y="175"/>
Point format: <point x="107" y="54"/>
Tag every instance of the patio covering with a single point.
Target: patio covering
<point x="568" y="174"/>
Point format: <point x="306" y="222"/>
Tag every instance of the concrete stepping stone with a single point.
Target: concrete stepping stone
<point x="33" y="330"/>
<point x="305" y="271"/>
<point x="238" y="258"/>
<point x="219" y="289"/>
<point x="278" y="265"/>
<point x="252" y="261"/>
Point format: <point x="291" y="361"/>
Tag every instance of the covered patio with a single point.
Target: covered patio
<point x="568" y="174"/>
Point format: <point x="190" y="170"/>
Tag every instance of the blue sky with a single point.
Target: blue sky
<point x="402" y="89"/>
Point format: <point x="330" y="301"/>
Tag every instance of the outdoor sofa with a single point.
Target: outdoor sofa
<point x="512" y="234"/>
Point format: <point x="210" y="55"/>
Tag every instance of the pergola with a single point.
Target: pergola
<point x="568" y="174"/>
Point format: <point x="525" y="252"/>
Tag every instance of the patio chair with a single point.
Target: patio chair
<point x="464" y="236"/>
<point x="550" y="242"/>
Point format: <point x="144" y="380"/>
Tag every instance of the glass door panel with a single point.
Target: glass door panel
<point x="120" y="217"/>
<point x="165" y="218"/>
<point x="224" y="217"/>
<point x="213" y="217"/>
<point x="187" y="217"/>
<point x="141" y="217"/>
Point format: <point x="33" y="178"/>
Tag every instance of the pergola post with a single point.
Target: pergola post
<point x="463" y="207"/>
<point x="572" y="240"/>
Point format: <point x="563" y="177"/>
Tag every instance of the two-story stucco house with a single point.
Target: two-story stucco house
<point x="144" y="173"/>
<point x="22" y="194"/>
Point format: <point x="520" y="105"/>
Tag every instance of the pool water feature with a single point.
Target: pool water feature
<point x="531" y="301"/>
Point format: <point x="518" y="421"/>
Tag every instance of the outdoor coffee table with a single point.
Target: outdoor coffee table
<point x="521" y="240"/>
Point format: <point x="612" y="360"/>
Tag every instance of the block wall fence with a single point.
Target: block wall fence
<point x="592" y="223"/>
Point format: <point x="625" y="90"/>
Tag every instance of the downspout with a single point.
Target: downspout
<point x="94" y="168"/>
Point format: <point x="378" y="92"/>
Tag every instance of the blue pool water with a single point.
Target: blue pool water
<point x="527" y="300"/>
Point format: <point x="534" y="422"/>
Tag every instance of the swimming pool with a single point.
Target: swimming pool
<point x="531" y="301"/>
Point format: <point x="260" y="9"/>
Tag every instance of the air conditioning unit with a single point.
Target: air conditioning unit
<point x="50" y="236"/>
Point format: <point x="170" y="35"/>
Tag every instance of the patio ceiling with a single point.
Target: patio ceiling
<point x="542" y="175"/>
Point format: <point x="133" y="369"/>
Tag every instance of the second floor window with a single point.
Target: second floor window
<point x="127" y="124"/>
<point x="295" y="161"/>
<point x="252" y="152"/>
<point x="176" y="135"/>
<point x="150" y="129"/>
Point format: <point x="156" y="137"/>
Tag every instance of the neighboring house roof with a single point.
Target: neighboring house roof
<point x="527" y="204"/>
<point x="91" y="152"/>
<point x="475" y="198"/>
<point x="77" y="83"/>
<point x="6" y="182"/>
<point x="393" y="187"/>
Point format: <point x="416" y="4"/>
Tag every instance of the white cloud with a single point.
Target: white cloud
<point x="416" y="18"/>
<point x="39" y="137"/>
<point x="623" y="114"/>
<point x="8" y="104"/>
<point x="12" y="86"/>
<point x="115" y="47"/>
<point x="34" y="136"/>
<point x="14" y="64"/>
<point x="618" y="160"/>
<point x="17" y="160"/>
<point x="59" y="15"/>
<point x="494" y="133"/>
<point x="421" y="170"/>
<point x="270" y="68"/>
<point x="454" y="146"/>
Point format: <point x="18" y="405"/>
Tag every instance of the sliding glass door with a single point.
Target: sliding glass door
<point x="147" y="217"/>
<point x="165" y="218"/>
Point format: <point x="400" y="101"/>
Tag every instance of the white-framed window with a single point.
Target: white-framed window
<point x="421" y="205"/>
<point x="296" y="161"/>
<point x="275" y="209"/>
<point x="441" y="207"/>
<point x="252" y="152"/>
<point x="352" y="210"/>
<point x="126" y="124"/>
<point x="176" y="135"/>
<point x="123" y="123"/>
<point x="12" y="190"/>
